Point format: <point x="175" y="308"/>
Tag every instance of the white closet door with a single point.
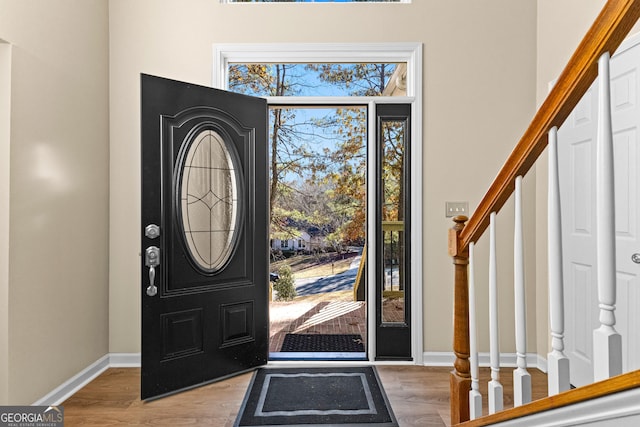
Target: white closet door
<point x="576" y="145"/>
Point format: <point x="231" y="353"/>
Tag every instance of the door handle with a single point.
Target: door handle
<point x="635" y="258"/>
<point x="152" y="260"/>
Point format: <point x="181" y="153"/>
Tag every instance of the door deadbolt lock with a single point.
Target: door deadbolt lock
<point x="152" y="231"/>
<point x="152" y="260"/>
<point x="635" y="258"/>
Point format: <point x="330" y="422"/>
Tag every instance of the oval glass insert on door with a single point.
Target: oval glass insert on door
<point x="209" y="200"/>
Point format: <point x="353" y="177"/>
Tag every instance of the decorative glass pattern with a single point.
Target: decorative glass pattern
<point x="209" y="201"/>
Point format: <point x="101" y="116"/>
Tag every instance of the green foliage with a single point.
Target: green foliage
<point x="285" y="286"/>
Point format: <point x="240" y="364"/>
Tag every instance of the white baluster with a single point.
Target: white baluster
<point x="607" y="343"/>
<point x="495" y="388"/>
<point x="558" y="362"/>
<point x="475" y="398"/>
<point x="521" y="378"/>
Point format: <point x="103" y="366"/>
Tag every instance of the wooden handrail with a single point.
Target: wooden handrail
<point x="617" y="384"/>
<point x="605" y="35"/>
<point x="360" y="277"/>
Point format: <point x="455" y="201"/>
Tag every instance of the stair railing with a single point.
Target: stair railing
<point x="610" y="28"/>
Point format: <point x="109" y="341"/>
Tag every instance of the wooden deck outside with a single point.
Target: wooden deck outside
<point x="324" y="317"/>
<point x="330" y="313"/>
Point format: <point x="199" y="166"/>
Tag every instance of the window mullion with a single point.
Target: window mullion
<point x="337" y="100"/>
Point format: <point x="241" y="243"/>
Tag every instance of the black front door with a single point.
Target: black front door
<point x="204" y="235"/>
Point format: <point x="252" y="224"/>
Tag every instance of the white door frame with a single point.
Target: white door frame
<point x="411" y="54"/>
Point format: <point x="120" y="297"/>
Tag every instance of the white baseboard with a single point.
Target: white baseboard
<point x="84" y="377"/>
<point x="124" y="360"/>
<point x="438" y="358"/>
<point x="508" y="360"/>
<point x="541" y="363"/>
<point x="75" y="383"/>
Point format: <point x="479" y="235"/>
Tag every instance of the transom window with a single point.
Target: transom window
<point x="318" y="79"/>
<point x="316" y="1"/>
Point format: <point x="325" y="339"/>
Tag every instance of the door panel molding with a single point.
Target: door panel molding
<point x="227" y="125"/>
<point x="182" y="333"/>
<point x="237" y="323"/>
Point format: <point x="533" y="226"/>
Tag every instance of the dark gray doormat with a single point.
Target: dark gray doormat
<point x="322" y="343"/>
<point x="348" y="396"/>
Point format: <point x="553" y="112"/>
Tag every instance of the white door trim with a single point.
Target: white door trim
<point x="411" y="53"/>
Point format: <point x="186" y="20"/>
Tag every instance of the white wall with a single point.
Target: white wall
<point x="56" y="194"/>
<point x="479" y="95"/>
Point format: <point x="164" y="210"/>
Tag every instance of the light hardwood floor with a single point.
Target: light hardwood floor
<point x="418" y="395"/>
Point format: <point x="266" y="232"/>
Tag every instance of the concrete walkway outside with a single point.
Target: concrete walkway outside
<point x="323" y="284"/>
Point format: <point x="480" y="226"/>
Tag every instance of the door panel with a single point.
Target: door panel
<point x="577" y="154"/>
<point x="204" y="184"/>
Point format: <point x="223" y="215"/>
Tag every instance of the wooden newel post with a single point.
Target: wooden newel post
<point x="460" y="379"/>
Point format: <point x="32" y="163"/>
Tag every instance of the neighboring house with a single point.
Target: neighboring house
<point x="298" y="244"/>
<point x="305" y="241"/>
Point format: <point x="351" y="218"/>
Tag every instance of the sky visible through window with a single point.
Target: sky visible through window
<point x="312" y="137"/>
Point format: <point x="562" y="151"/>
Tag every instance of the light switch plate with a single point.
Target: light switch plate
<point x="456" y="208"/>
